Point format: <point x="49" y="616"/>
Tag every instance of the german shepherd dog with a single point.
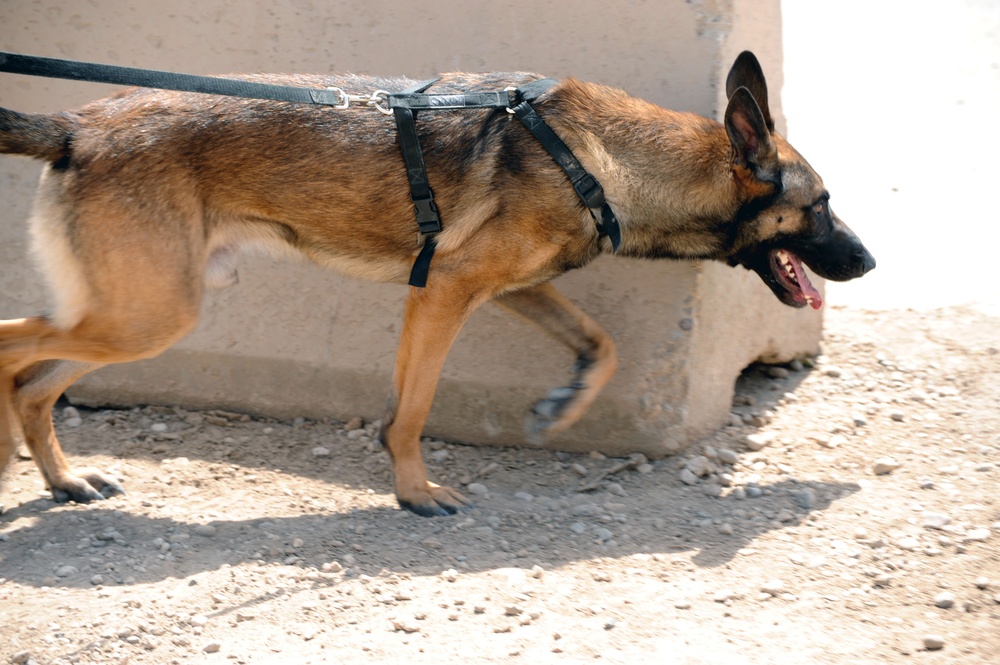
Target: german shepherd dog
<point x="148" y="196"/>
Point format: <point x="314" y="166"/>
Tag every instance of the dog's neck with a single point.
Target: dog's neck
<point x="691" y="155"/>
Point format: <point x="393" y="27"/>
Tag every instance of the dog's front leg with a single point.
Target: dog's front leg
<point x="596" y="357"/>
<point x="433" y="316"/>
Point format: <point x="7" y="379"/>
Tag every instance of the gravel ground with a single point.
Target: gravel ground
<point x="848" y="514"/>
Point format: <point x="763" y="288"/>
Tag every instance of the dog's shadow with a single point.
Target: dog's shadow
<point x="517" y="525"/>
<point x="128" y="548"/>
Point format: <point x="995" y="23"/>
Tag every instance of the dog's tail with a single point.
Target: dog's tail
<point x="41" y="136"/>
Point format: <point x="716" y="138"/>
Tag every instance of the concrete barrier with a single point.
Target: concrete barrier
<point x="293" y="340"/>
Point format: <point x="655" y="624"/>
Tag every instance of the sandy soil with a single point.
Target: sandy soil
<point x="849" y="514"/>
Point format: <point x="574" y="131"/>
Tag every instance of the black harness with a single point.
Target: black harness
<point x="403" y="105"/>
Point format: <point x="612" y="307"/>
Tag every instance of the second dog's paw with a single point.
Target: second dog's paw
<point x="546" y="413"/>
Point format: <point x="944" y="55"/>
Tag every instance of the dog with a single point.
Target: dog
<point x="148" y="196"/>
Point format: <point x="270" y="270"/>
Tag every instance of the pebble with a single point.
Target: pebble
<point x="579" y="469"/>
<point x="723" y="595"/>
<point x="885" y="465"/>
<point x="687" y="477"/>
<point x="933" y="642"/>
<point x="206" y="530"/>
<point x="727" y="456"/>
<point x="945" y="600"/>
<point x="982" y="583"/>
<point x="699" y="466"/>
<point x="759" y="440"/>
<point x="777" y="372"/>
<point x="21" y="657"/>
<point x="354" y="424"/>
<point x="754" y="492"/>
<point x="739" y="494"/>
<point x="773" y="587"/>
<point x="805" y="498"/>
<point x="682" y="604"/>
<point x="321" y="451"/>
<point x="159" y="427"/>
<point x="936" y="520"/>
<point x="976" y="536"/>
<point x="66" y="571"/>
<point x="523" y="496"/>
<point x="478" y="489"/>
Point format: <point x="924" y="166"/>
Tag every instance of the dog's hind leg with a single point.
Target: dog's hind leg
<point x="36" y="390"/>
<point x="596" y="357"/>
<point x="432" y="318"/>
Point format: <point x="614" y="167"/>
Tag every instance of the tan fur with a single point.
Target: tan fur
<point x="152" y="195"/>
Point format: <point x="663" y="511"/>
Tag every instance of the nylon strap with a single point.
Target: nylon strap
<point x="585" y="185"/>
<point x="149" y="78"/>
<point x="428" y="219"/>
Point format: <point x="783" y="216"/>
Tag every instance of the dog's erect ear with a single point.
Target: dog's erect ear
<point x="749" y="134"/>
<point x="746" y="73"/>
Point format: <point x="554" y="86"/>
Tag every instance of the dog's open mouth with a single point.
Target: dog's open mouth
<point x="787" y="269"/>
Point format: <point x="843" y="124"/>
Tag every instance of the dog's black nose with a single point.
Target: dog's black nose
<point x="866" y="260"/>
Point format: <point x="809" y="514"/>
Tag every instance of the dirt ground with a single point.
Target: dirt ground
<point x="849" y="514"/>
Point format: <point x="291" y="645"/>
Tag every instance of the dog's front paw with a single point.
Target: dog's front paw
<point x="89" y="485"/>
<point x="433" y="501"/>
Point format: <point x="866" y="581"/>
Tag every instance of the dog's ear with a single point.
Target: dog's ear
<point x="746" y="73"/>
<point x="749" y="134"/>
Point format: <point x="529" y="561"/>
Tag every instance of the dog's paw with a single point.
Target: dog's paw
<point x="546" y="413"/>
<point x="434" y="501"/>
<point x="89" y="485"/>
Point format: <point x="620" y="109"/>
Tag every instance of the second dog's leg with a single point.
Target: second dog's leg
<point x="432" y="319"/>
<point x="596" y="357"/>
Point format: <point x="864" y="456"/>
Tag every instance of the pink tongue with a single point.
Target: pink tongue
<point x="815" y="299"/>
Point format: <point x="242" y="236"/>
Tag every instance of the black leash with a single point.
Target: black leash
<point x="402" y="105"/>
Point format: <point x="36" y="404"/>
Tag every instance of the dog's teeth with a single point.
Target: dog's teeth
<point x="783" y="257"/>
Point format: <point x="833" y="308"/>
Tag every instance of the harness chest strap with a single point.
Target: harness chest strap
<point x="406" y="103"/>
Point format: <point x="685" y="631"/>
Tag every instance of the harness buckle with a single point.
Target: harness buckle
<point x="589" y="190"/>
<point x="427" y="215"/>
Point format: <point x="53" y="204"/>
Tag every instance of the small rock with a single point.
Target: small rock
<point x="796" y="365"/>
<point x="723" y="595"/>
<point x="699" y="466"/>
<point x="805" y="498"/>
<point x="739" y="494"/>
<point x="936" y="520"/>
<point x="644" y="468"/>
<point x="321" y="451"/>
<point x="97" y="579"/>
<point x="776" y="372"/>
<point x="885" y="465"/>
<point x="933" y="642"/>
<point x="332" y="567"/>
<point x="754" y="492"/>
<point x="21" y="657"/>
<point x="976" y="536"/>
<point x="205" y="530"/>
<point x="726" y="529"/>
<point x="982" y="583"/>
<point x="727" y="456"/>
<point x="478" y="489"/>
<point x="759" y="440"/>
<point x="579" y="469"/>
<point x="773" y="587"/>
<point x="513" y="610"/>
<point x="578" y="527"/>
<point x="682" y="604"/>
<point x="687" y="477"/>
<point x="354" y="424"/>
<point x="603" y="535"/>
<point x="898" y="416"/>
<point x="211" y="647"/>
<point x="945" y="600"/>
<point x="523" y="496"/>
<point x="66" y="571"/>
<point x="926" y="483"/>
